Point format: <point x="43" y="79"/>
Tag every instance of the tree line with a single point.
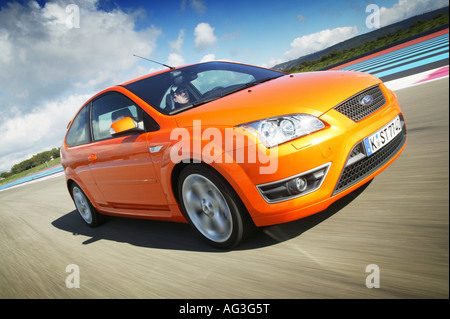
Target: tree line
<point x="34" y="161"/>
<point x="339" y="56"/>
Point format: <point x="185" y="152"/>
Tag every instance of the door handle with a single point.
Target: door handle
<point x="92" y="158"/>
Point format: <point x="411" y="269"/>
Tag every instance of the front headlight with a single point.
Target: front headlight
<point x="280" y="129"/>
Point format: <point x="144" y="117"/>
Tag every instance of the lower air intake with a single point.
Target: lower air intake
<point x="355" y="171"/>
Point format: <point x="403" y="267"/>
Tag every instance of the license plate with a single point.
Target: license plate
<point x="383" y="136"/>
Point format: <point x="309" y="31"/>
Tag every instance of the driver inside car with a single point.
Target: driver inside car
<point x="180" y="96"/>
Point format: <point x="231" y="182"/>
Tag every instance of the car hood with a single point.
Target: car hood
<point x="313" y="93"/>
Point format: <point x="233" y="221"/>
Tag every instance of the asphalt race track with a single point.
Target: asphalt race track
<point x="399" y="223"/>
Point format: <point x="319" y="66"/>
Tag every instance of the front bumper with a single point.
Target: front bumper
<point x="333" y="148"/>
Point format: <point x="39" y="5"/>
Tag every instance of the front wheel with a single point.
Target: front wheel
<point x="212" y="207"/>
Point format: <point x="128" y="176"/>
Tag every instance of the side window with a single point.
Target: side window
<point x="79" y="130"/>
<point x="109" y="108"/>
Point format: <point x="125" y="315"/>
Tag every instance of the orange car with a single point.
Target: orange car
<point x="228" y="147"/>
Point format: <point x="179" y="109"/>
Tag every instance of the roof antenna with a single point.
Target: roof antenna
<point x="167" y="66"/>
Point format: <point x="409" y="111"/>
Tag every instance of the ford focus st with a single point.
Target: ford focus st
<point x="229" y="147"/>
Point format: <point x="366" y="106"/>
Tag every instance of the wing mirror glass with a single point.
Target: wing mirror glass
<point x="126" y="125"/>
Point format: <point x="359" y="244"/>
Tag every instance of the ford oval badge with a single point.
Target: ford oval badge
<point x="367" y="100"/>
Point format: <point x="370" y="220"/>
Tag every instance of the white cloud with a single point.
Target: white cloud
<point x="272" y="62"/>
<point x="45" y="57"/>
<point x="178" y="43"/>
<point x="405" y="9"/>
<point x="37" y="131"/>
<point x="43" y="63"/>
<point x="318" y="41"/>
<point x="208" y="58"/>
<point x="175" y="59"/>
<point x="198" y="5"/>
<point x="204" y="36"/>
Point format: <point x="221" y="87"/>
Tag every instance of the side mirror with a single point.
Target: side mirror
<point x="125" y="125"/>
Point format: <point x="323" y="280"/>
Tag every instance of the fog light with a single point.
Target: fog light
<point x="296" y="185"/>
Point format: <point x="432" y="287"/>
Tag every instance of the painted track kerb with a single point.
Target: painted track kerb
<point x="35" y="177"/>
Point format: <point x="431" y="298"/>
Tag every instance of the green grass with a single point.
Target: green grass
<point x="35" y="169"/>
<point x="340" y="56"/>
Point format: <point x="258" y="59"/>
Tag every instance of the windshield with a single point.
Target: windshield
<point x="181" y="89"/>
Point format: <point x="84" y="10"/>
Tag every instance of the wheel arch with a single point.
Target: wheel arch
<point x="176" y="171"/>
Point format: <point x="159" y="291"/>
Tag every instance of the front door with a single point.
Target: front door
<point x="121" y="165"/>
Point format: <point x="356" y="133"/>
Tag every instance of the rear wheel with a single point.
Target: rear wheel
<point x="84" y="207"/>
<point x="212" y="207"/>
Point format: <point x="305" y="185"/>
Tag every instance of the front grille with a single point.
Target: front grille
<point x="357" y="171"/>
<point x="353" y="109"/>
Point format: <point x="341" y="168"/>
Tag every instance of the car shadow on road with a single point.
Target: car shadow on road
<point x="180" y="236"/>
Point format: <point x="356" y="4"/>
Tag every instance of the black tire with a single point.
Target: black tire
<point x="212" y="207"/>
<point x="84" y="207"/>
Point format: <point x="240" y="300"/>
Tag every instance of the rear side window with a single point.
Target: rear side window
<point x="79" y="130"/>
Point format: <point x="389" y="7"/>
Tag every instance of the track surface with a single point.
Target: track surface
<point x="398" y="222"/>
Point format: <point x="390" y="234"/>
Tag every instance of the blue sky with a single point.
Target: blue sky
<point x="54" y="55"/>
<point x="256" y="32"/>
<point x="253" y="32"/>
